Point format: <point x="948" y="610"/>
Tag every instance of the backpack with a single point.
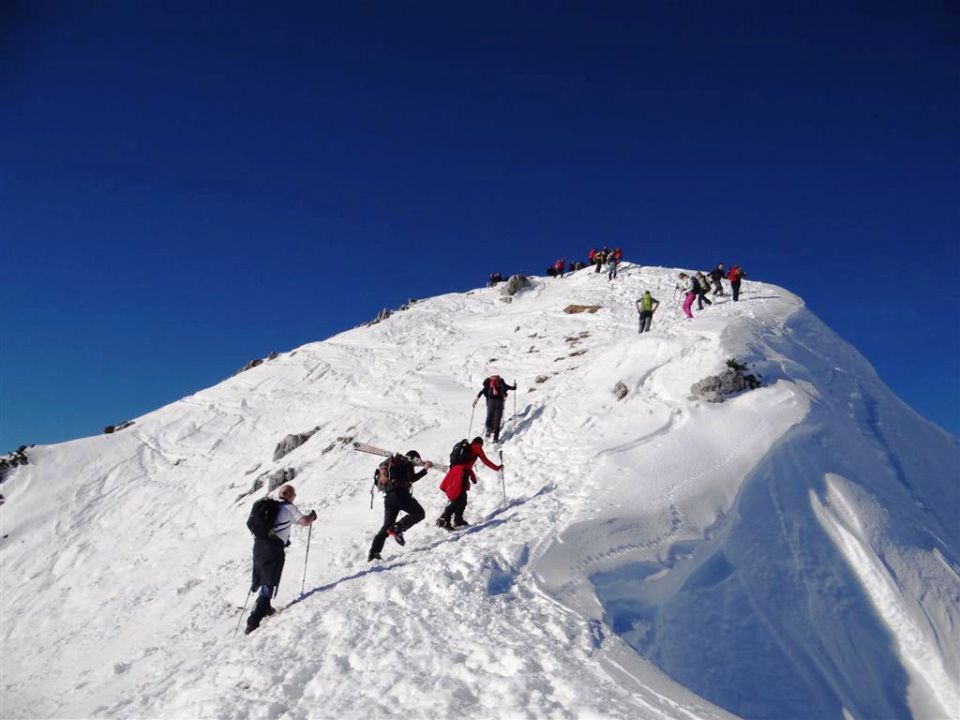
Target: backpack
<point x="263" y="516"/>
<point x="461" y="453"/>
<point x="695" y="287"/>
<point x="494" y="384"/>
<point x="390" y="473"/>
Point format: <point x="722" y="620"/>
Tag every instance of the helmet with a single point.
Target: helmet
<point x="413" y="454"/>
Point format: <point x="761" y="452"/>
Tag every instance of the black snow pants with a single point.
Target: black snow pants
<point x="494" y="416"/>
<point x="395" y="502"/>
<point x="455" y="508"/>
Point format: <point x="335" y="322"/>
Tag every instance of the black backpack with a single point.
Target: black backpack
<point x="263" y="516"/>
<point x="390" y="473"/>
<point x="461" y="453"/>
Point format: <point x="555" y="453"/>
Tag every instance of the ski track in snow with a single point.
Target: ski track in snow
<point x="132" y="559"/>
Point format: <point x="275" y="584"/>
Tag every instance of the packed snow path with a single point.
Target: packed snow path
<point x="768" y="553"/>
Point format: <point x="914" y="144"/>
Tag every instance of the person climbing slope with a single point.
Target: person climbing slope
<point x="269" y="553"/>
<point x="686" y="287"/>
<point x="647" y="305"/>
<point x="458" y="479"/>
<point x="395" y="476"/>
<point x="703" y="287"/>
<point x="495" y="390"/>
<point x="717" y="276"/>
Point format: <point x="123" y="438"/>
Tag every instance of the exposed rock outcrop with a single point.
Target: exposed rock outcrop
<point x="732" y="381"/>
<point x="271" y="480"/>
<point x="12" y="460"/>
<point x="116" y="428"/>
<point x="514" y="284"/>
<point x="620" y="390"/>
<point x="257" y="361"/>
<point x="292" y="442"/>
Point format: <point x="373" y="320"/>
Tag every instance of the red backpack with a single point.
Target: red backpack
<point x="493" y="383"/>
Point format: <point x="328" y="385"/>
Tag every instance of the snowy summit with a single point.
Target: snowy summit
<point x="791" y="552"/>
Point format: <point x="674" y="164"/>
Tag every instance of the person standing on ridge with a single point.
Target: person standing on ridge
<point x="599" y="258"/>
<point x="495" y="390"/>
<point x="395" y="476"/>
<point x="717" y="276"/>
<point x="458" y="479"/>
<point x="612" y="263"/>
<point x="558" y="267"/>
<point x="647" y="305"/>
<point x="269" y="554"/>
<point x="736" y="275"/>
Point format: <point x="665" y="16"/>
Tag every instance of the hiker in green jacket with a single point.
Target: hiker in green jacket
<point x="647" y="306"/>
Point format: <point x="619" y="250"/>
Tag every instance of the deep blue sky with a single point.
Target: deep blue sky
<point x="185" y="187"/>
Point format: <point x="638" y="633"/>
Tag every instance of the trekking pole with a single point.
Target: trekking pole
<point x="472" y="411"/>
<point x="514" y="406"/>
<point x="242" y="612"/>
<point x="303" y="583"/>
<point x="503" y="483"/>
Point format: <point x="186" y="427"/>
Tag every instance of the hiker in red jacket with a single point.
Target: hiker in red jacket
<point x="495" y="389"/>
<point x="558" y="267"/>
<point x="457" y="481"/>
<point x="735" y="276"/>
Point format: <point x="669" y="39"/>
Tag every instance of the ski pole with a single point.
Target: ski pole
<point x="303" y="583"/>
<point x="242" y="612"/>
<point x="503" y="483"/>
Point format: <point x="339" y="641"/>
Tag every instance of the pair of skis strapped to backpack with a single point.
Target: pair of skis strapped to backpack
<point x="374" y="450"/>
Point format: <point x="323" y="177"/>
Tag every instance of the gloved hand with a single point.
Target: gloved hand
<point x="499" y="469"/>
<point x="427" y="464"/>
<point x="475" y="401"/>
<point x="312" y="515"/>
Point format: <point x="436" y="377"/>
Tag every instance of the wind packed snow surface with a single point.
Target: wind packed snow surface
<point x="790" y="553"/>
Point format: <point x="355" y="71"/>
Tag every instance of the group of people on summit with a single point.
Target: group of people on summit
<point x="600" y="259"/>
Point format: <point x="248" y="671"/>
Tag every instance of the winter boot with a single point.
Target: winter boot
<point x="444" y="523"/>
<point x="260" y="610"/>
<point x="373" y="556"/>
<point x="460" y="522"/>
<point x="397" y="534"/>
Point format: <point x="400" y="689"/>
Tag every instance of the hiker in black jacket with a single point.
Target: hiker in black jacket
<point x="395" y="476"/>
<point x="717" y="276"/>
<point x="495" y="390"/>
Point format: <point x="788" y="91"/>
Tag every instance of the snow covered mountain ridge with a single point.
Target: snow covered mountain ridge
<point x="790" y="553"/>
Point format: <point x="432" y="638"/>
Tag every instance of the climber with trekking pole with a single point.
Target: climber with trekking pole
<point x="495" y="390"/>
<point x="270" y="522"/>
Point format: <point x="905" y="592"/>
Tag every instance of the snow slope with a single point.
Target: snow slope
<point x="790" y="553"/>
